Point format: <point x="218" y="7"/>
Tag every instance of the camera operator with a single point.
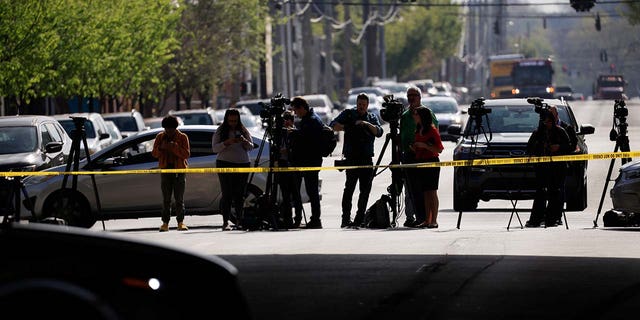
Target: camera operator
<point x="287" y="180"/>
<point x="360" y="128"/>
<point x="305" y="153"/>
<point x="549" y="139"/>
<point x="407" y="136"/>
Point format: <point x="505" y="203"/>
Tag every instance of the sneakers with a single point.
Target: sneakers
<point x="182" y="227"/>
<point x="164" y="227"/>
<point x="346" y="223"/>
<point x="409" y="223"/>
<point x="314" y="224"/>
<point x="532" y="224"/>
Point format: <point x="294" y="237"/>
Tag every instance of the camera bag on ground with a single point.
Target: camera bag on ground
<point x="377" y="216"/>
<point x="329" y="141"/>
<point x="615" y="218"/>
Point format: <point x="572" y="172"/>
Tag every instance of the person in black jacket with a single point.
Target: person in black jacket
<point x="549" y="139"/>
<point x="360" y="127"/>
<point x="305" y="153"/>
<point x="287" y="180"/>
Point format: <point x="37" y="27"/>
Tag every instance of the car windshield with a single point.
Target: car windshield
<point x="154" y="124"/>
<point x="441" y="106"/>
<point x="18" y="139"/>
<point x="124" y="123"/>
<point x="509" y="119"/>
<point x="69" y="127"/>
<point x="196" y="118"/>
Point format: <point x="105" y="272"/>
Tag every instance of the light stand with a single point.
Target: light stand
<point x="619" y="135"/>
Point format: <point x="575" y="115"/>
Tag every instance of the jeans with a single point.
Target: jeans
<point x="172" y="183"/>
<point x="311" y="181"/>
<point x="363" y="176"/>
<point x="233" y="187"/>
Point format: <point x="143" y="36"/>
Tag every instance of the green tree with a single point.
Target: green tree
<point x="219" y="39"/>
<point x="420" y="40"/>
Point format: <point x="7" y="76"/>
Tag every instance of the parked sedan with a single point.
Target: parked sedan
<point x="137" y="195"/>
<point x="32" y="143"/>
<point x="447" y="112"/>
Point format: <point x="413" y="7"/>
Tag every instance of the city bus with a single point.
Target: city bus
<point x="533" y="78"/>
<point x="500" y="80"/>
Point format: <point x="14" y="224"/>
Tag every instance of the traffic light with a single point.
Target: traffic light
<point x="496" y="27"/>
<point x="582" y="5"/>
<point x="598" y="25"/>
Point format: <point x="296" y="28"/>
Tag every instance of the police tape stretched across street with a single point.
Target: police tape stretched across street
<point x="453" y="163"/>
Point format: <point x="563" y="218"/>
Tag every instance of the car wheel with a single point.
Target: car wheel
<point x="70" y="206"/>
<point x="250" y="199"/>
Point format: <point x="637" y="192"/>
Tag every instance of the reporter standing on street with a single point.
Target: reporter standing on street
<point x="360" y="128"/>
<point x="424" y="181"/>
<point x="232" y="142"/>
<point x="407" y="136"/>
<point x="171" y="148"/>
<point x="305" y="153"/>
<point x="549" y="139"/>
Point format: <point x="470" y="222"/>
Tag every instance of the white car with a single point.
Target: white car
<point x="322" y="106"/>
<point x="97" y="134"/>
<point x="124" y="196"/>
<point x="129" y="123"/>
<point x="447" y="112"/>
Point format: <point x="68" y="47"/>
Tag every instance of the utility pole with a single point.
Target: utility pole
<point x="348" y="60"/>
<point x="381" y="46"/>
<point x="328" y="51"/>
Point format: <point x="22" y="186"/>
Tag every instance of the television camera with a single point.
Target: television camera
<point x="274" y="108"/>
<point x="477" y="108"/>
<point x="620" y="113"/>
<point x="391" y="109"/>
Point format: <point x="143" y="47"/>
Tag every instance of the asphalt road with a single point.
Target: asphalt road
<point x="481" y="270"/>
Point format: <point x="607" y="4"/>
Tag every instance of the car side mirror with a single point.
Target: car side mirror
<point x="587" y="129"/>
<point x="54" y="146"/>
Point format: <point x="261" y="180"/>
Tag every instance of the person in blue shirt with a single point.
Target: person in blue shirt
<point x="360" y="127"/>
<point x="305" y="153"/>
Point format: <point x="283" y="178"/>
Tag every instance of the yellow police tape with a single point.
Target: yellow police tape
<point x="454" y="163"/>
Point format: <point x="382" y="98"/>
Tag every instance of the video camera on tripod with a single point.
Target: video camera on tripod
<point x="620" y="113"/>
<point x="477" y="108"/>
<point x="391" y="109"/>
<point x="273" y="109"/>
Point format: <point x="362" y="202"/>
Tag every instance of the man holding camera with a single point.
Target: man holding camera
<point x="549" y="139"/>
<point x="360" y="128"/>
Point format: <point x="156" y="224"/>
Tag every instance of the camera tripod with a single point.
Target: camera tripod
<point x="67" y="201"/>
<point x="619" y="135"/>
<point x="395" y="188"/>
<point x="10" y="189"/>
<point x="267" y="207"/>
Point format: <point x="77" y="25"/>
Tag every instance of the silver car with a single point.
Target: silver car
<point x="124" y="196"/>
<point x="625" y="194"/>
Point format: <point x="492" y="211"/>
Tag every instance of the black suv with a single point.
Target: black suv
<point x="505" y="130"/>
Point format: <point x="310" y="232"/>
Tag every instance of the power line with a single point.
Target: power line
<point x="467" y="4"/>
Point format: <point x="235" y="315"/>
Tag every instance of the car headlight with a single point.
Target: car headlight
<point x="465" y="150"/>
<point x="31" y="167"/>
